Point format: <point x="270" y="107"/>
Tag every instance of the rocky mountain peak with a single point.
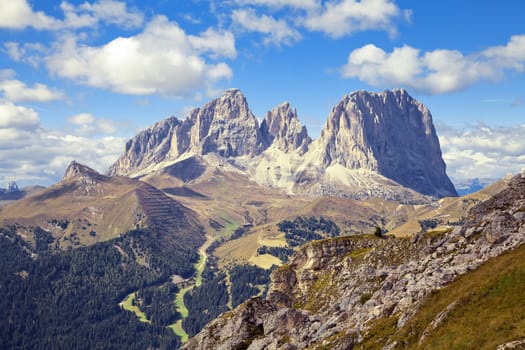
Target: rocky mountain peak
<point x="226" y="126"/>
<point x="76" y="170"/>
<point x="390" y="133"/>
<point x="149" y="146"/>
<point x="12" y="187"/>
<point x="282" y="127"/>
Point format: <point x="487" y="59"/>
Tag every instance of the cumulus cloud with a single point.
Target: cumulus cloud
<point x="88" y="124"/>
<point x="298" y="4"/>
<point x="340" y="18"/>
<point x="17" y="91"/>
<point x="17" y="117"/>
<point x="111" y="12"/>
<point x="27" y="52"/>
<point x="162" y="59"/>
<point x="482" y="151"/>
<point x="277" y="32"/>
<point x="335" y="18"/>
<point x="433" y="72"/>
<point x="18" y="14"/>
<point x="31" y="154"/>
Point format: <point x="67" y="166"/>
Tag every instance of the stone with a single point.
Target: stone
<point x="372" y="145"/>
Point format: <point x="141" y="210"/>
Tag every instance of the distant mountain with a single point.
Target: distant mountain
<point x="473" y="185"/>
<point x="87" y="207"/>
<point x="373" y="145"/>
<point x="13" y="192"/>
<point x="389" y="133"/>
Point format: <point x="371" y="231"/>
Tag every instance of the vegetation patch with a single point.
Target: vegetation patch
<point x="302" y="230"/>
<point x="489" y="310"/>
<point x="321" y="292"/>
<point x="282" y="253"/>
<point x="130" y="304"/>
<point x="379" y="334"/>
<point x="69" y="299"/>
<point x="358" y="253"/>
<point x="245" y="280"/>
<point x="365" y="297"/>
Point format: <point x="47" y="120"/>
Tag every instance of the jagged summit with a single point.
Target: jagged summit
<point x="226" y="126"/>
<point x="282" y="127"/>
<point x="12" y="186"/>
<point x="390" y="133"/>
<point x="76" y="169"/>
<point x="370" y="142"/>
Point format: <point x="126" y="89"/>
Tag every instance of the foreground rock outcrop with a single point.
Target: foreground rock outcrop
<point x="332" y="290"/>
<point x="372" y="145"/>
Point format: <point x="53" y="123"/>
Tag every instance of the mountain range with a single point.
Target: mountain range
<point x="372" y="145"/>
<point x="360" y="227"/>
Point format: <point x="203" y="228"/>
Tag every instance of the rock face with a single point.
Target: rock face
<point x="147" y="147"/>
<point x="331" y="290"/>
<point x="390" y="133"/>
<point x="226" y="126"/>
<point x="283" y="128"/>
<point x="76" y="169"/>
<point x="384" y="140"/>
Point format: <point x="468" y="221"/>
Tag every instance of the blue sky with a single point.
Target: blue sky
<point x="78" y="78"/>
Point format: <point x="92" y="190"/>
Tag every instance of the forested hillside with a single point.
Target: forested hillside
<point x="54" y="299"/>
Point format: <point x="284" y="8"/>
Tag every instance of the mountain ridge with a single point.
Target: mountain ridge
<point x="359" y="138"/>
<point x="340" y="293"/>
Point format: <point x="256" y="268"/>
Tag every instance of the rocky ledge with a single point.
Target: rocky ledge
<point x="331" y="290"/>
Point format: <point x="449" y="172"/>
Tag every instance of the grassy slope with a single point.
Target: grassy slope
<point x="489" y="310"/>
<point x="127" y="304"/>
<point x="179" y="300"/>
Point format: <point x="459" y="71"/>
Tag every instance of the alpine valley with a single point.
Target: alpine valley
<point x="225" y="231"/>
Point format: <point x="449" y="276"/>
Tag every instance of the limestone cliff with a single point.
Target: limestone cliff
<point x="282" y="127"/>
<point x="148" y="147"/>
<point x="373" y="145"/>
<point x="390" y="133"/>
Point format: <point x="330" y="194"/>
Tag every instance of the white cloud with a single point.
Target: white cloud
<point x="298" y="4"/>
<point x="88" y="124"/>
<point x="113" y="12"/>
<point x="434" y="72"/>
<point x="278" y="31"/>
<point x="18" y="14"/>
<point x="482" y="152"/>
<point x="17" y="91"/>
<point x="31" y="154"/>
<point x="28" y="52"/>
<point x="162" y="59"/>
<point x="340" y="18"/>
<point x="511" y="55"/>
<point x="13" y="116"/>
<point x="217" y="44"/>
<point x="81" y="119"/>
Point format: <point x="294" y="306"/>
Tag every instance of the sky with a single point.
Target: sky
<point x="79" y="78"/>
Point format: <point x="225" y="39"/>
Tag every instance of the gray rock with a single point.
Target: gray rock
<point x="389" y="136"/>
<point x="390" y="133"/>
<point x="331" y="299"/>
<point x="282" y="127"/>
